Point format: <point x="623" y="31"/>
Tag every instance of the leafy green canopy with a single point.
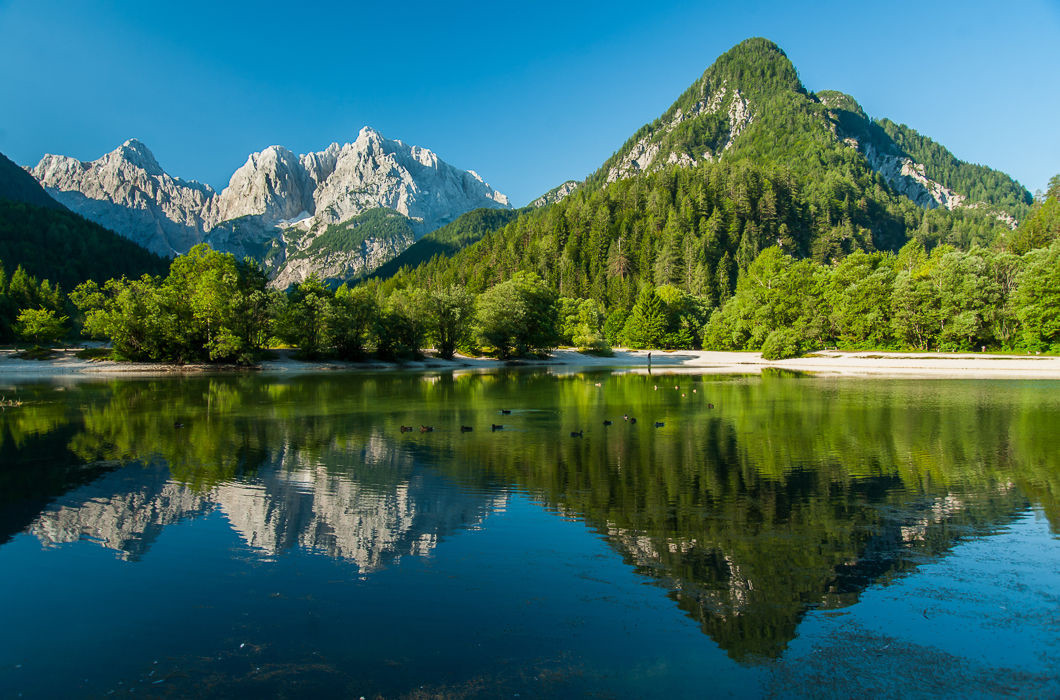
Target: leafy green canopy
<point x="1042" y="227"/>
<point x="40" y="326"/>
<point x="518" y="316"/>
<point x="210" y="307"/>
<point x="23" y="292"/>
<point x="948" y="300"/>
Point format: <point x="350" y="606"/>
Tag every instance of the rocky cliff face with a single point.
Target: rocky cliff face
<point x="903" y="173"/>
<point x="651" y="151"/>
<point x="129" y="192"/>
<point x="556" y="194"/>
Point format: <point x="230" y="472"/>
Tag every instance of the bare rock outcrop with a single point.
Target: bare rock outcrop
<point x="127" y="191"/>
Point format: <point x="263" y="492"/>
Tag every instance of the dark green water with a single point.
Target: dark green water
<point x="258" y="536"/>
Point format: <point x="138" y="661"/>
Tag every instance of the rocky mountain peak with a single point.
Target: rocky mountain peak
<point x="129" y="192"/>
<point x="137" y="154"/>
<point x="369" y="135"/>
<point x="272" y="184"/>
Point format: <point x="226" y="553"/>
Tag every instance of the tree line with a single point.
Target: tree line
<point x="211" y="307"/>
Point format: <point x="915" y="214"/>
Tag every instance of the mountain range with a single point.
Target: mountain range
<point x="283" y="209"/>
<point x="368" y="205"/>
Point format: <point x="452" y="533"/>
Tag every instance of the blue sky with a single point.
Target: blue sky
<point x="527" y="94"/>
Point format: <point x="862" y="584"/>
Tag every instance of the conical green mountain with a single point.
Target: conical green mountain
<point x="751" y="104"/>
<point x="744" y="160"/>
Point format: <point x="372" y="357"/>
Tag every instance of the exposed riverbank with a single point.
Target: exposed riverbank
<point x="916" y="364"/>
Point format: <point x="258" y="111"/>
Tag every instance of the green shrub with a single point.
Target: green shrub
<point x="782" y="344"/>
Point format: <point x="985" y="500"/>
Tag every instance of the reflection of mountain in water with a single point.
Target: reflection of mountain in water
<point x="792" y="495"/>
<point x="370" y="514"/>
<point x="749" y="587"/>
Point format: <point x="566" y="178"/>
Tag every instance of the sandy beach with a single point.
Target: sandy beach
<point x="870" y="363"/>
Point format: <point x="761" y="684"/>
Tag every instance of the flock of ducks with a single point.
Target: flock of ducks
<point x="574" y="433"/>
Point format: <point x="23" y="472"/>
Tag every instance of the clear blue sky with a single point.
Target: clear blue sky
<point x="527" y="94"/>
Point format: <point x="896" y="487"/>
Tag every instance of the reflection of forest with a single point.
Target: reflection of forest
<point x="791" y="494"/>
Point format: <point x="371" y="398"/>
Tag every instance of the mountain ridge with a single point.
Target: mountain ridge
<point x="745" y="159"/>
<point x="276" y="203"/>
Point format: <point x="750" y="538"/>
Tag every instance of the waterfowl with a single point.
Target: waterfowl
<point x="576" y="433"/>
<point x="465" y="428"/>
<point x="625" y="417"/>
<point x="607" y="422"/>
<point x="426" y="428"/>
<point x="494" y="426"/>
<point x="178" y="426"/>
<point x="505" y="411"/>
<point x="632" y="421"/>
<point x="659" y="424"/>
<point x="710" y="405"/>
<point x="406" y="428"/>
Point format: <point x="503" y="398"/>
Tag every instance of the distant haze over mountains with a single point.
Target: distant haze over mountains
<point x="277" y="204"/>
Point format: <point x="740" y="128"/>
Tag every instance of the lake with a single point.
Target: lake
<point x="768" y="535"/>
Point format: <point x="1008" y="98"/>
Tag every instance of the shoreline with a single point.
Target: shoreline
<point x="823" y="363"/>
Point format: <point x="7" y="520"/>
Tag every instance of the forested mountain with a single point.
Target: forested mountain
<point x="449" y="239"/>
<point x="751" y="104"/>
<point x="67" y="249"/>
<point x="16" y="185"/>
<point x="50" y="242"/>
<point x="745" y="159"/>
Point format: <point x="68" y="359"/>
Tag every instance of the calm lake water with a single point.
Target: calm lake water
<point x="242" y="536"/>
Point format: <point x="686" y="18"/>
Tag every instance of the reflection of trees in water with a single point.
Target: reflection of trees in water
<point x="799" y="494"/>
<point x="791" y="494"/>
